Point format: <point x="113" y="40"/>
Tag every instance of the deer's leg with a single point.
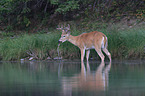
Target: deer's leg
<point x="87" y="55"/>
<point x="98" y="50"/>
<point x="82" y="54"/>
<point x="107" y="53"/>
<point x="88" y="68"/>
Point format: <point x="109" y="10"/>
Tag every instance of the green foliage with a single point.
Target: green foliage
<point x="19" y="13"/>
<point x="26" y="21"/>
<point x="22" y="14"/>
<point x="67" y="6"/>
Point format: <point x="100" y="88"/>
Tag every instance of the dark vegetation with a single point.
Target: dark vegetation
<point x="28" y="27"/>
<point x="34" y="14"/>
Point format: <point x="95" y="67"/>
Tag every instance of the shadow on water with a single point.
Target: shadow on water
<point x="72" y="79"/>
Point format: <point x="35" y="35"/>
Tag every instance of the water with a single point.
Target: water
<point x="72" y="78"/>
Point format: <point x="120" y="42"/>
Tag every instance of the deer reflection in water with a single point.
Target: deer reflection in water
<point x="87" y="80"/>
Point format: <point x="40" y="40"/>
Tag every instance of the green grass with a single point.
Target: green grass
<point x="127" y="43"/>
<point x="39" y="45"/>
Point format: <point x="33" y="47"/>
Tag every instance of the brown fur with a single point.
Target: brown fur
<point x="89" y="39"/>
<point x="86" y="41"/>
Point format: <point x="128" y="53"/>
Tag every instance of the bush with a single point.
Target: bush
<point x="22" y="14"/>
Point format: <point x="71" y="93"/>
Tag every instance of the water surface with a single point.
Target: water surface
<point x="73" y="78"/>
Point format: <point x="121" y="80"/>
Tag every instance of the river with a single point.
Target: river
<point x="72" y="78"/>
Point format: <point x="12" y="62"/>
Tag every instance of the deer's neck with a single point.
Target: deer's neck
<point x="73" y="39"/>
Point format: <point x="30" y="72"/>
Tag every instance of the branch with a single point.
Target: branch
<point x="46" y="7"/>
<point x="31" y="53"/>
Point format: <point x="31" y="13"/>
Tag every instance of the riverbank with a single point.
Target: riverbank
<point x="128" y="43"/>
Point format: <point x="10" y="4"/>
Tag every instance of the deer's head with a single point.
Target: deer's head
<point x="65" y="33"/>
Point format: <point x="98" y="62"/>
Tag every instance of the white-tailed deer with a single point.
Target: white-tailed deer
<point x="86" y="41"/>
